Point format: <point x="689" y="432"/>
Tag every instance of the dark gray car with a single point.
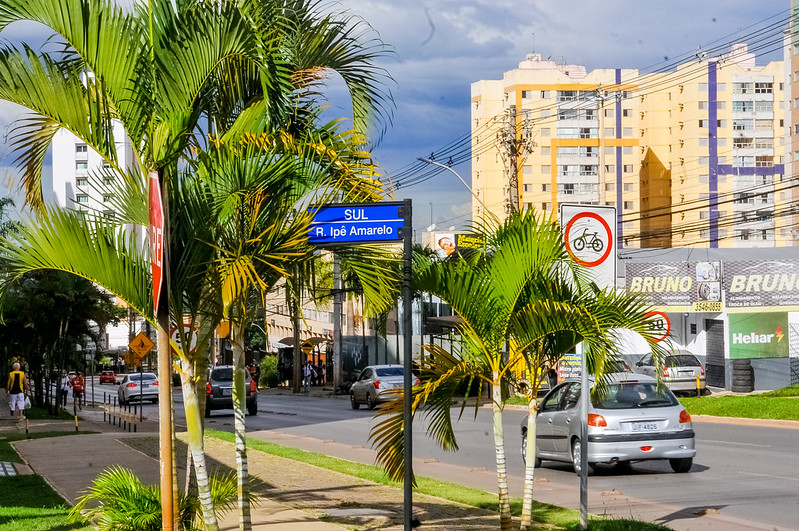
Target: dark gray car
<point x="219" y="390"/>
<point x="680" y="370"/>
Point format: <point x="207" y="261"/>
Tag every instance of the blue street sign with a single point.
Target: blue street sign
<point x="356" y="223"/>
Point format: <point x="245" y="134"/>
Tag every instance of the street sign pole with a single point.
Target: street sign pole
<point x="407" y="324"/>
<point x="388" y="222"/>
<point x="159" y="233"/>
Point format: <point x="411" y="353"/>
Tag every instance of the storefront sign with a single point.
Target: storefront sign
<point x="772" y="284"/>
<point x="758" y="335"/>
<point x="677" y="286"/>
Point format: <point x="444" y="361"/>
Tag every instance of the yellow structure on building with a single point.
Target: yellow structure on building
<point x="690" y="157"/>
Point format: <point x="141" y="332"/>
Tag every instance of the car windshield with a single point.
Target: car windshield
<point x="682" y="360"/>
<point x="633" y="394"/>
<point x="146" y="376"/>
<point x="390" y="371"/>
<point x="222" y="375"/>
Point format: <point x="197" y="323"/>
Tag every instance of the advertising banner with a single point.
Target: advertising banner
<point x="677" y="286"/>
<point x="772" y="284"/>
<point x="758" y="335"/>
<point x="446" y="243"/>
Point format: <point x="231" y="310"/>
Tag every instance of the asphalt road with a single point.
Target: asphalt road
<point x="743" y="478"/>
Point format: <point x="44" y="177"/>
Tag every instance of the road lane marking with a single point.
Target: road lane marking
<point x="734" y="443"/>
<point x="770" y="476"/>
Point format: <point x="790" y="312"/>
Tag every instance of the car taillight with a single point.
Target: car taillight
<point x="155" y="382"/>
<point x="684" y="417"/>
<point x="646" y="448"/>
<point x="377" y="384"/>
<point x="702" y="369"/>
<point x="417" y="382"/>
<point x="208" y="390"/>
<point x="252" y="386"/>
<point x="596" y="420"/>
<point x="665" y="372"/>
<point x="131" y="384"/>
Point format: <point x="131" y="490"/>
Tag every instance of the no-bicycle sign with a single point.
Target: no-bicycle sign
<point x="589" y="233"/>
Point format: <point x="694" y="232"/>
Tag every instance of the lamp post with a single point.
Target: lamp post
<point x="259" y="327"/>
<point x="446" y="167"/>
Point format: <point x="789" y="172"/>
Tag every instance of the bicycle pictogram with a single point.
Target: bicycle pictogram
<point x="591" y="240"/>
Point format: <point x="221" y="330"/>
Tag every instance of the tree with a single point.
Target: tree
<point x="510" y="300"/>
<point x="225" y="68"/>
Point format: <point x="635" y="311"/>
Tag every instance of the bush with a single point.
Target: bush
<point x="269" y="376"/>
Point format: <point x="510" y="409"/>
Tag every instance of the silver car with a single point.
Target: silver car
<point x="138" y="386"/>
<point x="373" y="382"/>
<point x="635" y="421"/>
<point x="680" y="370"/>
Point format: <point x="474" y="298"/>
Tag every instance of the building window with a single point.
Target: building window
<point x="545" y="131"/>
<point x="546" y="170"/>
<point x="629" y="187"/>
<point x="704" y="214"/>
<point x="81" y="165"/>
<point x="627" y="132"/>
<point x="82" y="198"/>
<point x="764" y="88"/>
<point x="702" y="87"/>
<point x="545" y="187"/>
<point x="527" y="94"/>
<point x="544" y="206"/>
<point x="109" y="214"/>
<point x="702" y="123"/>
<point x="742" y="87"/>
<point x="703" y="141"/>
<point x="764" y="161"/>
<point x="628" y="205"/>
<point x="546" y="150"/>
<point x="626" y="113"/>
<point x="766" y="143"/>
<point x="743" y="106"/>
<point x="743" y="162"/>
<point x="81" y="182"/>
<point x="609" y="187"/>
<point x="609" y="132"/>
<point x="610" y="168"/>
<point x="742" y="143"/>
<point x="107" y="198"/>
<point x="608" y="113"/>
<point x="744" y="125"/>
<point x="545" y="113"/>
<point x="703" y="105"/>
<point x="704" y="161"/>
<point x="627" y="150"/>
<point x="628" y="168"/>
<point x="545" y="94"/>
<point x="81" y="148"/>
<point x="764" y="125"/>
<point x="764" y="106"/>
<point x="721" y="105"/>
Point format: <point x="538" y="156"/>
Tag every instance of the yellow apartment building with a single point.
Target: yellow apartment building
<point x="690" y="157"/>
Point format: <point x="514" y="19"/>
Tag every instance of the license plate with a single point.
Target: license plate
<point x="644" y="426"/>
<point x="227" y="391"/>
<point x="145" y="386"/>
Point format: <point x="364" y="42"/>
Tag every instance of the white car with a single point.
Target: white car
<point x="139" y="386"/>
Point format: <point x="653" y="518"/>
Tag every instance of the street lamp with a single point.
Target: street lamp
<point x="446" y="167"/>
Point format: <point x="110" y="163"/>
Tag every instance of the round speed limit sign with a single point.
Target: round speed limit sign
<point x="658" y="324"/>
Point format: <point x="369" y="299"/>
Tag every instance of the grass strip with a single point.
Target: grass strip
<point x="750" y="406"/>
<point x="560" y="517"/>
<point x="29" y="504"/>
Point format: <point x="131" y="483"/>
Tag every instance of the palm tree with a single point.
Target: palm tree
<point x="506" y="300"/>
<point x="226" y="67"/>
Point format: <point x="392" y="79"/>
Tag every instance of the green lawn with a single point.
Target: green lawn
<point x="765" y="406"/>
<point x="29" y="504"/>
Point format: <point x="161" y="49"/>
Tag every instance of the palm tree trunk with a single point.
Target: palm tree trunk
<point x="529" y="471"/>
<point x="239" y="399"/>
<point x="194" y="435"/>
<point x="505" y="519"/>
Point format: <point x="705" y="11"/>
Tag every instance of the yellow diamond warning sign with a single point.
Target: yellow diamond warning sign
<point x="141" y="345"/>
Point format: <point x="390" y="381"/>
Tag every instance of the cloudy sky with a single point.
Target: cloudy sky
<point x="442" y="46"/>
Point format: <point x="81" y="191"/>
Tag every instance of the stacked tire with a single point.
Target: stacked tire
<point x="743" y="380"/>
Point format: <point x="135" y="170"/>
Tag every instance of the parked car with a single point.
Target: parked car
<point x="680" y="369"/>
<point x="219" y="390"/>
<point x="373" y="382"/>
<point x="108" y="377"/>
<point x="138" y="386"/>
<point x="634" y="421"/>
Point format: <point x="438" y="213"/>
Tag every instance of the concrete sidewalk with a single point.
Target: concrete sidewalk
<point x="69" y="463"/>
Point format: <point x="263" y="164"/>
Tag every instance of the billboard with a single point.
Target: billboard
<point x="758" y="335"/>
<point x="446" y="243"/>
<point x="677" y="286"/>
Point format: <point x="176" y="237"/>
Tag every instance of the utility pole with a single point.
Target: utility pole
<point x="337" y="294"/>
<point x="515" y="142"/>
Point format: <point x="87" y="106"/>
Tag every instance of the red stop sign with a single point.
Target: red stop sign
<point x="156" y="237"/>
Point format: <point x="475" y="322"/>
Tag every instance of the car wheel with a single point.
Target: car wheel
<point x="370" y="403"/>
<point x="576" y="445"/>
<point x="155" y="400"/>
<point x="354" y="403"/>
<point x="252" y="409"/>
<point x="537" y="462"/>
<point x="681" y="465"/>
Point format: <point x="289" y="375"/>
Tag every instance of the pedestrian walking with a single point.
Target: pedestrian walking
<point x="320" y="373"/>
<point x="16" y="389"/>
<point x="78" y="388"/>
<point x="63" y="389"/>
<point x="308" y="374"/>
